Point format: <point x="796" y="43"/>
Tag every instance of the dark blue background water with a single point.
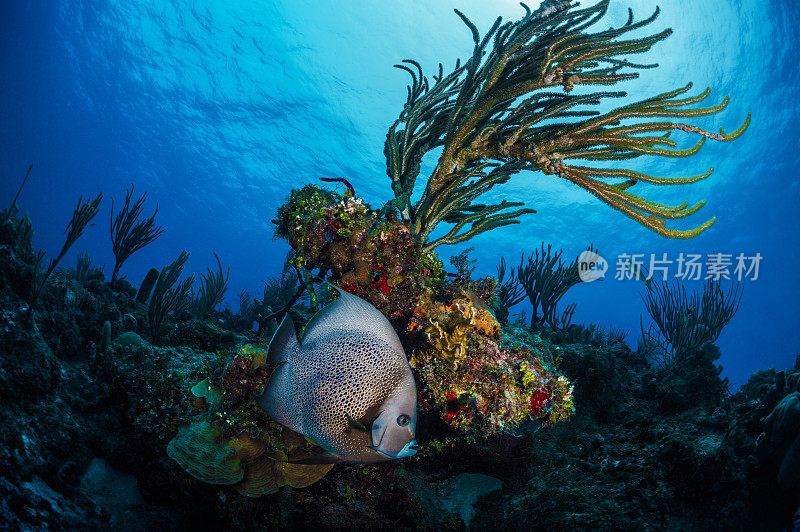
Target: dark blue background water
<point x="218" y="110"/>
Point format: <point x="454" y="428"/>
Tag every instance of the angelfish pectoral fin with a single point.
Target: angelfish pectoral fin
<point x="357" y="425"/>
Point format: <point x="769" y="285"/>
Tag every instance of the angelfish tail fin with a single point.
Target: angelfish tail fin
<point x="276" y="399"/>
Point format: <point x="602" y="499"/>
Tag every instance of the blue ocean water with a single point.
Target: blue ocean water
<point x="218" y="109"/>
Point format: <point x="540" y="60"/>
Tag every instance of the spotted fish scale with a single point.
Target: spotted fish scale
<point x="356" y="375"/>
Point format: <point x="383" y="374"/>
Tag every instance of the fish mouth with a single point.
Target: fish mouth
<point x="409" y="449"/>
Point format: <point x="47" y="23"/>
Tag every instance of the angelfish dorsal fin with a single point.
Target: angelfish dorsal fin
<point x="282" y="343"/>
<point x="353" y="314"/>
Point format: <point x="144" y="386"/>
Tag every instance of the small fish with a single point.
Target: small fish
<point x="478" y="301"/>
<point x="347" y="386"/>
<point x="640" y="272"/>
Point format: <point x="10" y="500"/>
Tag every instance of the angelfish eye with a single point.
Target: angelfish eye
<point x="403" y="420"/>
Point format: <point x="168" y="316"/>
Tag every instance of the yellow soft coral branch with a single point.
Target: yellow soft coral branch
<point x="638" y="176"/>
<point x="502" y="111"/>
<point x="638" y="208"/>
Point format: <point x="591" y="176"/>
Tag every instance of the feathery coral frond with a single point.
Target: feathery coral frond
<point x="128" y="233"/>
<point x="496" y="114"/>
<point x="83" y="214"/>
<point x="166" y="296"/>
<point x="686" y="322"/>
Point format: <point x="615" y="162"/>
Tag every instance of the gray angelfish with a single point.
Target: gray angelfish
<point x="348" y="386"/>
